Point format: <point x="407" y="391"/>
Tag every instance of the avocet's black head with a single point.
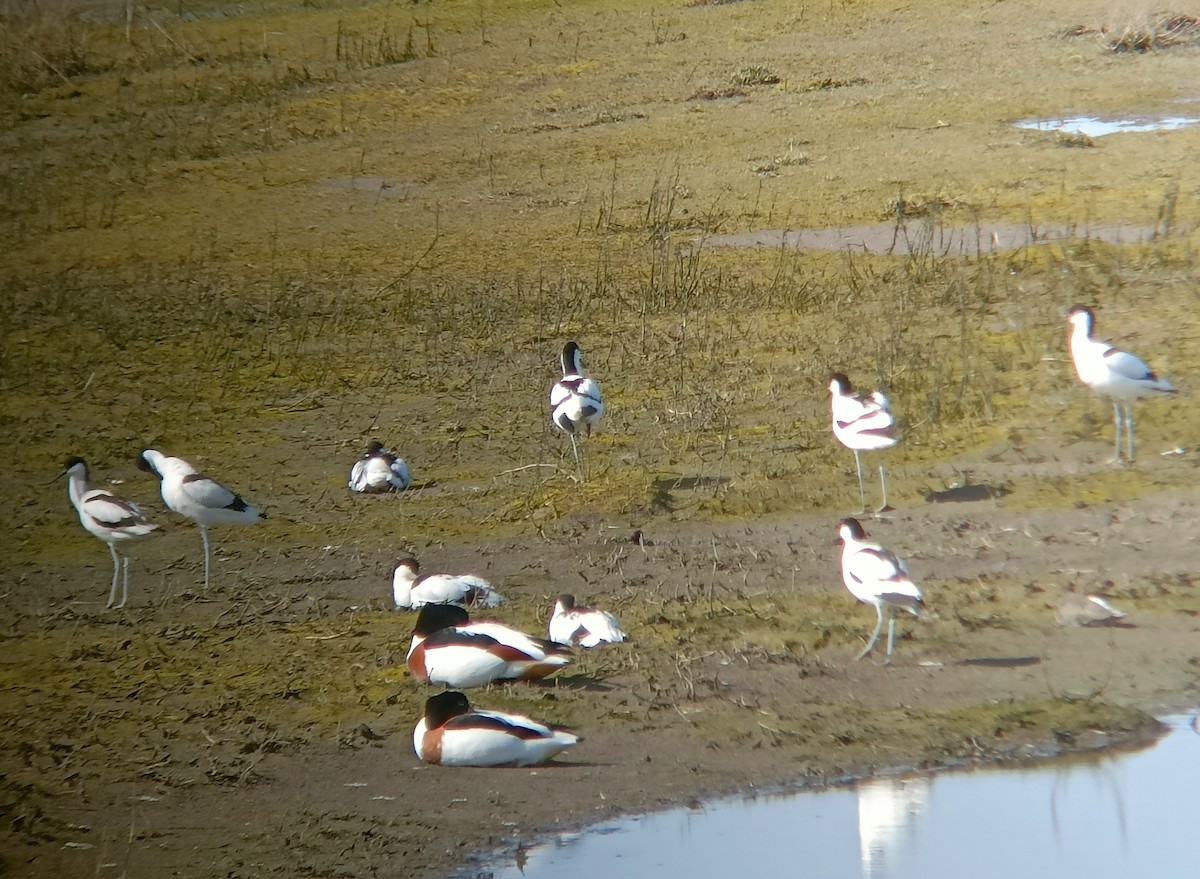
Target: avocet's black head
<point x="143" y="463"/>
<point x="409" y="563"/>
<point x="1082" y="314"/>
<point x="374" y="448"/>
<point x="71" y="463"/>
<point x="839" y="383"/>
<point x="566" y="601"/>
<point x="572" y="358"/>
<point x="443" y="707"/>
<point x="439" y="616"/>
<point x="851" y="527"/>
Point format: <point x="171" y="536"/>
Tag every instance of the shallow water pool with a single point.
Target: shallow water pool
<point x="1131" y="814"/>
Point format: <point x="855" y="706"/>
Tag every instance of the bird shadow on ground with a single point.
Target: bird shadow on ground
<point x="1001" y="661"/>
<point x="575" y="682"/>
<point x="981" y="491"/>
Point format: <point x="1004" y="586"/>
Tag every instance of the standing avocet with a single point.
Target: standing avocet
<point x="862" y="423"/>
<point x="1118" y="375"/>
<point x="876" y="577"/>
<point x="412" y="589"/>
<point x="583" y="626"/>
<point x="575" y="400"/>
<point x="112" y="519"/>
<point x="447" y="648"/>
<point x="452" y="733"/>
<point x="378" y="471"/>
<point x="190" y="493"/>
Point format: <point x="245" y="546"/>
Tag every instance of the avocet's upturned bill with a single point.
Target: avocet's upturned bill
<point x="200" y="498"/>
<point x="112" y="519"/>
<point x="580" y="626"/>
<point x="452" y="733"/>
<point x="862" y="423"/>
<point x="1118" y="375"/>
<point x="876" y="577"/>
<point x="575" y="401"/>
<point x="412" y="589"/>
<point x="448" y="649"/>
<point x="379" y="471"/>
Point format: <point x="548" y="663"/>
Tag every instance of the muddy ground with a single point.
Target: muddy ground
<point x="143" y="766"/>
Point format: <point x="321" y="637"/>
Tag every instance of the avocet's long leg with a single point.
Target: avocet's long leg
<point x="125" y="585"/>
<point x="885" y="507"/>
<point x="862" y="496"/>
<point x="874" y="635"/>
<point x="1129" y="429"/>
<point x="1117" y="423"/>
<point x="891" y="637"/>
<point x="112" y="592"/>
<point x="204" y="537"/>
<point x="578" y="456"/>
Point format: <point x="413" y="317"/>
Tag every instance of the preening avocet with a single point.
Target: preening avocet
<point x="448" y="649"/>
<point x="575" y="400"/>
<point x="453" y="733"/>
<point x="378" y="471"/>
<point x="862" y="423"/>
<point x="410" y="588"/>
<point x="877" y="577"/>
<point x="1084" y="609"/>
<point x="112" y="519"/>
<point x="583" y="626"/>
<point x="1118" y="375"/>
<point x="200" y="498"/>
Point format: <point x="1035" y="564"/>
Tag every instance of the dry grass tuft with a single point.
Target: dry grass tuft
<point x="1142" y="33"/>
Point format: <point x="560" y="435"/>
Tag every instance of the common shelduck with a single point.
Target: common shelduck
<point x="379" y="471"/>
<point x="877" y="577"/>
<point x="1118" y="375"/>
<point x="583" y="626"/>
<point x="200" y="498"/>
<point x="448" y="649"/>
<point x="575" y="400"/>
<point x="862" y="423"/>
<point x="452" y="733"/>
<point x="114" y="520"/>
<point x="412" y="589"/>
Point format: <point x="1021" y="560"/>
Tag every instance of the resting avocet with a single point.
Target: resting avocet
<point x="410" y="588"/>
<point x="583" y="626"/>
<point x="452" y="733"/>
<point x="1118" y="375"/>
<point x="200" y="498"/>
<point x="877" y="577"/>
<point x="575" y="400"/>
<point x="862" y="423"/>
<point x="378" y="471"/>
<point x="112" y="519"/>
<point x="448" y="649"/>
<point x="1085" y="609"/>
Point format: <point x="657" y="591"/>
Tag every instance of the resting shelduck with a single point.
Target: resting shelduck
<point x="378" y="471"/>
<point x="583" y="626"/>
<point x="448" y="649"/>
<point x="114" y="520"/>
<point x="877" y="577"/>
<point x="412" y="589"/>
<point x="452" y="733"/>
